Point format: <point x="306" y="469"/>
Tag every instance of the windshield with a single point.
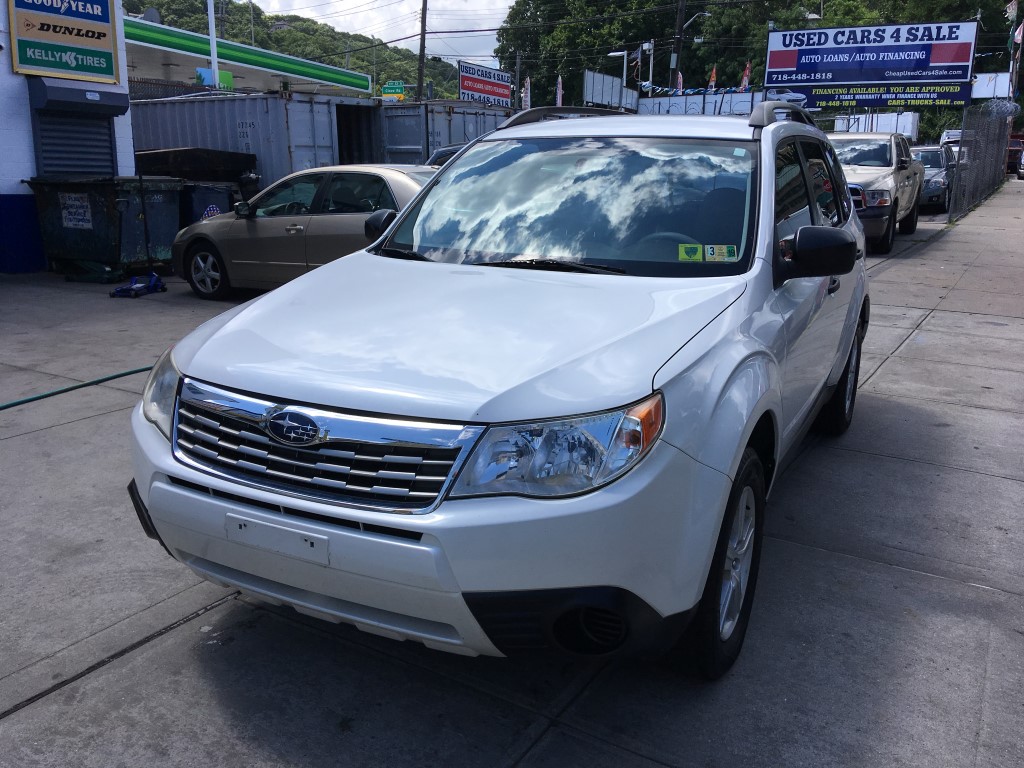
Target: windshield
<point x="421" y="177"/>
<point x="871" y="152"/>
<point x="643" y="206"/>
<point x="930" y="158"/>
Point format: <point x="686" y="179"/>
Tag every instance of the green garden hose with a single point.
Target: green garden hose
<point x="94" y="382"/>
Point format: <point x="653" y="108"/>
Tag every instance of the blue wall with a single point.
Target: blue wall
<point x="21" y="246"/>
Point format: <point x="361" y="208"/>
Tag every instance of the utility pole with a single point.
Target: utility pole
<point x="519" y="94"/>
<point x="677" y="45"/>
<point x="423" y="52"/>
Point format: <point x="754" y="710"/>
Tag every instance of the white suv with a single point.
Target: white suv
<point x="544" y="409"/>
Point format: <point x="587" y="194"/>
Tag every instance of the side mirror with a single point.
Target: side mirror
<point x="378" y="222"/>
<point x="951" y="166"/>
<point x="902" y="164"/>
<point x="244" y="210"/>
<point x="821" y="252"/>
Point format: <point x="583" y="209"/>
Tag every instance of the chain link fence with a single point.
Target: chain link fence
<point x="981" y="157"/>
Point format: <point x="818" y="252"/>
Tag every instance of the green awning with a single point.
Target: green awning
<point x="180" y="41"/>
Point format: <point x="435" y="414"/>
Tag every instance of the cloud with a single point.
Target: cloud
<point x="392" y="19"/>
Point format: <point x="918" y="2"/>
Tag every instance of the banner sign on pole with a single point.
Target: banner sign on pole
<point x="489" y="86"/>
<point x="900" y="53"/>
<point x="64" y="38"/>
<point x="906" y="96"/>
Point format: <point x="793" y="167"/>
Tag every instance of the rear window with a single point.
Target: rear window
<point x="646" y="206"/>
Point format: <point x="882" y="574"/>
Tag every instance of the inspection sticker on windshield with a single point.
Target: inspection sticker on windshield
<point x="721" y="253"/>
<point x="689" y="252"/>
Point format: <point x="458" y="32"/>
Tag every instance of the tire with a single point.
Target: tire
<point x="837" y="414"/>
<point x="714" y="639"/>
<point x="909" y="224"/>
<point x="885" y="242"/>
<point x="205" y="272"/>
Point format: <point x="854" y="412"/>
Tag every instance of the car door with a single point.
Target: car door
<point x="832" y="209"/>
<point x="336" y="229"/>
<point x="802" y="303"/>
<point x="268" y="248"/>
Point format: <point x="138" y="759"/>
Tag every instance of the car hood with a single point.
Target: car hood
<point x="863" y="174"/>
<point x="453" y="342"/>
<point x="931" y="173"/>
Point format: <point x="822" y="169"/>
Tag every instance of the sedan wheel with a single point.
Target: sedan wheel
<point x="205" y="272"/>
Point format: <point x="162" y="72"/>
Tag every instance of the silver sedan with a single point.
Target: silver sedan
<point x="301" y="222"/>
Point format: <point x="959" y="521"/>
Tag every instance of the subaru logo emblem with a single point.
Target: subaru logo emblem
<point x="292" y="428"/>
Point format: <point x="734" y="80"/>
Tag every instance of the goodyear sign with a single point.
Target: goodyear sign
<point x="74" y="39"/>
<point x="894" y="53"/>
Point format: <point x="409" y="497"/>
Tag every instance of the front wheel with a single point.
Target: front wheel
<point x="837" y="414"/>
<point x="909" y="224"/>
<point x="714" y="640"/>
<point x="885" y="242"/>
<point x="205" y="272"/>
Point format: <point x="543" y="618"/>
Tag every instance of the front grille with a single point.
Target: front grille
<point x="857" y="193"/>
<point x="396" y="475"/>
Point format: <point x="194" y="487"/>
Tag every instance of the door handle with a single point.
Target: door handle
<point x="292" y="228"/>
<point x="833" y="284"/>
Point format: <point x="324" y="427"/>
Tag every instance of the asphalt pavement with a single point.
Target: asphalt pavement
<point x="888" y="628"/>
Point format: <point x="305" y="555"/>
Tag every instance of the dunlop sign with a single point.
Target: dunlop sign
<point x="74" y="39"/>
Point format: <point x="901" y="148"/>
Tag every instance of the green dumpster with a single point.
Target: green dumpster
<point x="101" y="229"/>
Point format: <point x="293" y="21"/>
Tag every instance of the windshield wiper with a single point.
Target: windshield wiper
<point x="558" y="264"/>
<point x="399" y="253"/>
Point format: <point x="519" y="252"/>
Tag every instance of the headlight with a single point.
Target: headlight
<point x="938" y="181"/>
<point x="159" y="393"/>
<point x="877" y="197"/>
<point x="563" y="457"/>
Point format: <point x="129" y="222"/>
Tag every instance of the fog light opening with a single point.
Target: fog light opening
<point x="590" y="630"/>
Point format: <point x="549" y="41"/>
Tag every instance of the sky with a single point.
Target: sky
<point x="392" y="19"/>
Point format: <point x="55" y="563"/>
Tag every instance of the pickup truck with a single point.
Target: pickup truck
<point x="885" y="183"/>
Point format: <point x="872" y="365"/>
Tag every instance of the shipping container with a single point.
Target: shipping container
<point x="286" y="133"/>
<point x="413" y="131"/>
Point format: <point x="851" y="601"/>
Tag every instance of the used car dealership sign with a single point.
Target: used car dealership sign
<point x="489" y="86"/>
<point x="901" y="53"/>
<point x="73" y="39"/>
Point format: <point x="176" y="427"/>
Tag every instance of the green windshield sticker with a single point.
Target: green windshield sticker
<point x="689" y="252"/>
<point x="721" y="253"/>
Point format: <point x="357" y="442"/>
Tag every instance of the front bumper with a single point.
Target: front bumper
<point x="617" y="569"/>
<point x="874" y="220"/>
<point x="934" y="195"/>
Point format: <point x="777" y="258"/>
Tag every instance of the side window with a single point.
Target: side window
<point x="843" y="191"/>
<point x="902" y="148"/>
<point x="290" y="198"/>
<point x="823" y="187"/>
<point x="357" y="193"/>
<point x="792" y="199"/>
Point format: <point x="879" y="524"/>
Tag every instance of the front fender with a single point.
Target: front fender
<point x="714" y="400"/>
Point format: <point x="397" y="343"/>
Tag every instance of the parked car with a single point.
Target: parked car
<point x="302" y="222"/>
<point x="885" y="181"/>
<point x="939" y="173"/>
<point x="785" y="94"/>
<point x="544" y="409"/>
<point x="1013" y="153"/>
<point x="442" y="155"/>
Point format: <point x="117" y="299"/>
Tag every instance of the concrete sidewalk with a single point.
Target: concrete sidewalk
<point x="888" y="627"/>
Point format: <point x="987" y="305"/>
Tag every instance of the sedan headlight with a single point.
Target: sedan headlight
<point x="562" y="457"/>
<point x="877" y="197"/>
<point x="938" y="181"/>
<point x="159" y="393"/>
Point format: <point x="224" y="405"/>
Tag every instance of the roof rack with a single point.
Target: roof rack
<point x="765" y="114"/>
<point x="538" y="114"/>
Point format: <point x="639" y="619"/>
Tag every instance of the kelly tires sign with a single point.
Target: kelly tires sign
<point x="489" y="86"/>
<point x="895" y="53"/>
<point x="64" y="38"/>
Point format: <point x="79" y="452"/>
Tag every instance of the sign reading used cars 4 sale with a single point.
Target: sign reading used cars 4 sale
<point x="901" y="53"/>
<point x="489" y="86"/>
<point x="74" y="39"/>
